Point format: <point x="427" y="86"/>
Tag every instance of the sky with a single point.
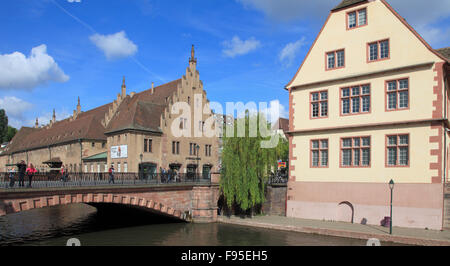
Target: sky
<point x="54" y="51"/>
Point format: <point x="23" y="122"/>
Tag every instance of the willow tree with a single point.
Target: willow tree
<point x="246" y="164"/>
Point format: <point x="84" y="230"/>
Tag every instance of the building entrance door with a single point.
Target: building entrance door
<point x="191" y="171"/>
<point x="147" y="171"/>
<point x="207" y="171"/>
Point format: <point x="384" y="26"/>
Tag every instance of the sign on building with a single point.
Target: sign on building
<point x="119" y="152"/>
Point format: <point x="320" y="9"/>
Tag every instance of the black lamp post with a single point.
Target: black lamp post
<point x="140" y="167"/>
<point x="198" y="160"/>
<point x="391" y="186"/>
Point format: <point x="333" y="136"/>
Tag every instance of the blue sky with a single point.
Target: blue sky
<point x="52" y="51"/>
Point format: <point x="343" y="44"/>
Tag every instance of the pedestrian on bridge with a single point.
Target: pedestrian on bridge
<point x="21" y="169"/>
<point x="12" y="172"/>
<point x="111" y="175"/>
<point x="30" y="173"/>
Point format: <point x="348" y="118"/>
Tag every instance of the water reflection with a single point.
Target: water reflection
<point x="113" y="226"/>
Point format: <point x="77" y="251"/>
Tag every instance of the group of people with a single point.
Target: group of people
<point x="170" y="175"/>
<point x="22" y="171"/>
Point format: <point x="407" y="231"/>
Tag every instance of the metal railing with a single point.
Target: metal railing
<point x="52" y="180"/>
<point x="278" y="178"/>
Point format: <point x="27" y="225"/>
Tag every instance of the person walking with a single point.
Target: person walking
<point x="111" y="174"/>
<point x="12" y="172"/>
<point x="63" y="174"/>
<point x="30" y="173"/>
<point x="21" y="169"/>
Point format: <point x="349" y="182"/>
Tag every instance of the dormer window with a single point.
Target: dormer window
<point x="356" y="19"/>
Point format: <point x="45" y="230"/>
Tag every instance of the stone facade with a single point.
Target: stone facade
<point x="140" y="123"/>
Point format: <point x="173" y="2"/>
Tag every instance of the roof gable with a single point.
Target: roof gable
<point x="335" y="36"/>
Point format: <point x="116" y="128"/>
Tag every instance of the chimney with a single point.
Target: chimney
<point x="78" y="106"/>
<point x="54" y="117"/>
<point x="37" y="123"/>
<point x="153" y="87"/>
<point x="124" y="88"/>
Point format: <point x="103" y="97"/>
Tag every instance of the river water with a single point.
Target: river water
<point x="127" y="227"/>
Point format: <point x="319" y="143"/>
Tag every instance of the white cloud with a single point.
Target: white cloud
<point x="114" y="46"/>
<point x="20" y="72"/>
<point x="74" y="1"/>
<point x="284" y="10"/>
<point x="45" y="118"/>
<point x="424" y="16"/>
<point x="290" y="51"/>
<point x="15" y="109"/>
<point x="237" y="47"/>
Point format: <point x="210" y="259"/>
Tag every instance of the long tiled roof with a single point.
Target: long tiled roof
<point x="445" y="52"/>
<point x="142" y="112"/>
<point x="134" y="112"/>
<point x="347" y="3"/>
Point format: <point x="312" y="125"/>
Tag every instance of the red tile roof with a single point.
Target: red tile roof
<point x="141" y="112"/>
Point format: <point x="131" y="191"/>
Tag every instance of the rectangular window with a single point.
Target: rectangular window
<point x="397" y="95"/>
<point x="335" y="59"/>
<point x="118" y="168"/>
<point x="355" y="100"/>
<point x="357" y="18"/>
<point x="355" y="152"/>
<point x="351" y="20"/>
<point x="378" y="50"/>
<point x="319" y="104"/>
<point x="397" y="150"/>
<point x="178" y="147"/>
<point x="150" y="145"/>
<point x="319" y="153"/>
<point x="125" y="167"/>
<point x="145" y="145"/>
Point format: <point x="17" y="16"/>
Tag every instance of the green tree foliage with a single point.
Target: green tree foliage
<point x="246" y="166"/>
<point x="3" y="125"/>
<point x="10" y="134"/>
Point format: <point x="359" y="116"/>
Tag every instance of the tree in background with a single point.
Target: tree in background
<point x="10" y="134"/>
<point x="7" y="132"/>
<point x="3" y="125"/>
<point x="246" y="166"/>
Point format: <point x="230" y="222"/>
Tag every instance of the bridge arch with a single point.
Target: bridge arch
<point x="18" y="205"/>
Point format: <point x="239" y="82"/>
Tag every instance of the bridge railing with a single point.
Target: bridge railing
<point x="52" y="180"/>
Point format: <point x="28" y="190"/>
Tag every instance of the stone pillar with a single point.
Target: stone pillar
<point x="204" y="204"/>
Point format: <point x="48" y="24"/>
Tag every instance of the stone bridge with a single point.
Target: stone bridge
<point x="188" y="202"/>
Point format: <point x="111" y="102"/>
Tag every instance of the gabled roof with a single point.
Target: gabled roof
<point x="445" y="52"/>
<point x="140" y="112"/>
<point x="143" y="111"/>
<point x="347" y="3"/>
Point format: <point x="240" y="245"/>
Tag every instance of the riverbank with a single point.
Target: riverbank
<point x="407" y="236"/>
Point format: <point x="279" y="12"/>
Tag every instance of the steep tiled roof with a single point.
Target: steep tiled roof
<point x="282" y="124"/>
<point x="142" y="112"/>
<point x="86" y="126"/>
<point x="134" y="112"/>
<point x="445" y="52"/>
<point x="347" y="3"/>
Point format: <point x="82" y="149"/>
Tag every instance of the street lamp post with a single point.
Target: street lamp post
<point x="140" y="167"/>
<point x="391" y="186"/>
<point x="198" y="161"/>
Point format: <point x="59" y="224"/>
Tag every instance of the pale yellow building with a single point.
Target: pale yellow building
<point x="369" y="104"/>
